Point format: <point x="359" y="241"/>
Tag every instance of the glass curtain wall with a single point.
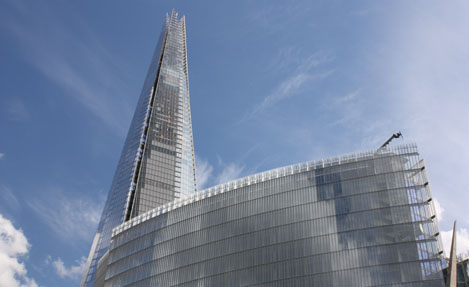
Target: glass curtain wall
<point x="157" y="163"/>
<point x="365" y="219"/>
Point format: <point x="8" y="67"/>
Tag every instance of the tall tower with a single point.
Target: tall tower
<point x="157" y="163"/>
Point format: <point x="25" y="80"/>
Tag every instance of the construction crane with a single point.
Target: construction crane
<point x="394" y="136"/>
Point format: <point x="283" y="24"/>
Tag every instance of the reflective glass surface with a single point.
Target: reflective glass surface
<point x="365" y="219"/>
<point x="462" y="273"/>
<point x="157" y="162"/>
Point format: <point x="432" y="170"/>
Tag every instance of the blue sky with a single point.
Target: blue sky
<point x="272" y="83"/>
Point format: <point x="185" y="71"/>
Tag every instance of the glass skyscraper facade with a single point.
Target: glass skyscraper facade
<point x="365" y="219"/>
<point x="157" y="163"/>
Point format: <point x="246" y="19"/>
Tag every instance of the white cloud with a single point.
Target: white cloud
<point x="1" y="155"/>
<point x="289" y="88"/>
<point x="462" y="241"/>
<point x="16" y="110"/>
<point x="71" y="217"/>
<point x="338" y="101"/>
<point x="77" y="63"/>
<point x="8" y="198"/>
<point x="277" y="18"/>
<point x="72" y="272"/>
<point x="438" y="209"/>
<point x="347" y="109"/>
<point x="296" y="81"/>
<point x="13" y="246"/>
<point x="462" y="234"/>
<point x="230" y="172"/>
<point x="48" y="259"/>
<point x="204" y="172"/>
<point x="427" y="71"/>
<point x="286" y="89"/>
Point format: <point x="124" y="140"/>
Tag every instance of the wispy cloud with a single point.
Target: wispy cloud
<point x="9" y="198"/>
<point x="74" y="60"/>
<point x="229" y="172"/>
<point x="360" y="12"/>
<point x="426" y="70"/>
<point x="462" y="241"/>
<point x="16" y="110"/>
<point x="222" y="172"/>
<point x="276" y="19"/>
<point x="225" y="172"/>
<point x="1" y="155"/>
<point x="347" y="109"/>
<point x="304" y="73"/>
<point x="72" y="271"/>
<point x="70" y="216"/>
<point x="204" y="172"/>
<point x="286" y="89"/>
<point x="462" y="234"/>
<point x="13" y="247"/>
<point x="438" y="209"/>
<point x="347" y="98"/>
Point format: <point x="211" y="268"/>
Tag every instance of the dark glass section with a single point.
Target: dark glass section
<point x="167" y="169"/>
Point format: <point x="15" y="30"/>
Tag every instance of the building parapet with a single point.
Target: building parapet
<point x="264" y="176"/>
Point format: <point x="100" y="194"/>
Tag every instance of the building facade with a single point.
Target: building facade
<point x="462" y="273"/>
<point x="157" y="162"/>
<point x="365" y="219"/>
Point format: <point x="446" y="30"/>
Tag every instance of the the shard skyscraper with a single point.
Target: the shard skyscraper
<point x="157" y="162"/>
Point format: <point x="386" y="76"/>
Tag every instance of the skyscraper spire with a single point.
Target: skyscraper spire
<point x="157" y="163"/>
<point x="453" y="267"/>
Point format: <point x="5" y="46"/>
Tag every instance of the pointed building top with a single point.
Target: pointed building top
<point x="452" y="267"/>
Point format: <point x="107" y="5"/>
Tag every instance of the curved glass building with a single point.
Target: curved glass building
<point x="365" y="219"/>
